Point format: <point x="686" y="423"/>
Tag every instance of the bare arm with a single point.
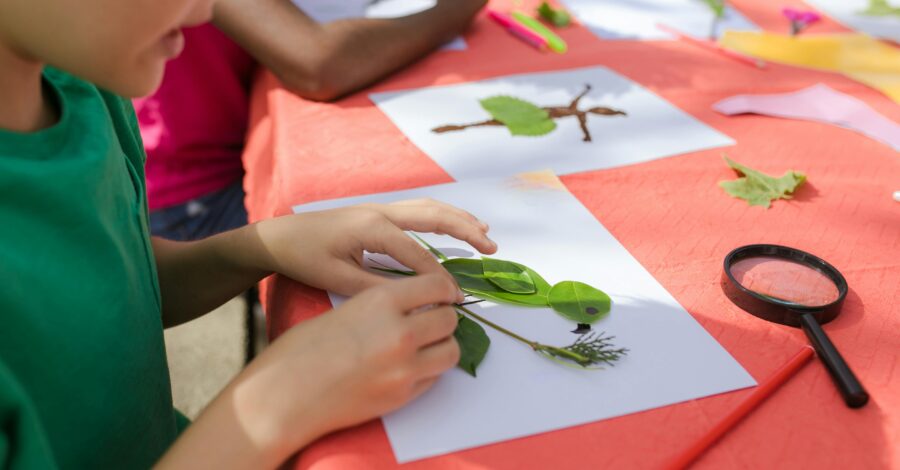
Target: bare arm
<point x="324" y="62"/>
<point x="196" y="277"/>
<point x="321" y="249"/>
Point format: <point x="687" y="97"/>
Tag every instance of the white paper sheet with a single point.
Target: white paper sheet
<point x="653" y="128"/>
<point x="848" y="12"/>
<point x="537" y="222"/>
<point x="637" y="19"/>
<point x="325" y="11"/>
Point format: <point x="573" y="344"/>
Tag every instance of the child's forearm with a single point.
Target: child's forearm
<point x="196" y="277"/>
<point x="325" y="62"/>
<point x="321" y="249"/>
<point x="238" y="431"/>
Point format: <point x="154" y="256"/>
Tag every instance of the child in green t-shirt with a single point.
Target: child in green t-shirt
<point x="86" y="292"/>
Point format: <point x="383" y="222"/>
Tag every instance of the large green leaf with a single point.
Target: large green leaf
<point x="508" y="276"/>
<point x="760" y="189"/>
<point x="473" y="344"/>
<point x="579" y="302"/>
<point x="469" y="274"/>
<point x="519" y="116"/>
<point x="556" y="16"/>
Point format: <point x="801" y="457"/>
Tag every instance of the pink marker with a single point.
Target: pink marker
<point x="517" y="30"/>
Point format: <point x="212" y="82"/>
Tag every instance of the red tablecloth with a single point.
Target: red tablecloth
<point x="671" y="215"/>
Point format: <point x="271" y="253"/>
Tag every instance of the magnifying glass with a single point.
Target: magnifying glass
<point x="788" y="286"/>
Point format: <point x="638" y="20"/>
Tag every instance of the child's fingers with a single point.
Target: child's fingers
<point x="433" y="325"/>
<point x="435" y="203"/>
<point x="437" y="358"/>
<point x="390" y="240"/>
<point x="421" y="387"/>
<point x="438" y="219"/>
<point x="411" y="293"/>
<point x="351" y="279"/>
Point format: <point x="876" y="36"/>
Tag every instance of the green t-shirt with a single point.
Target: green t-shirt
<point x="83" y="375"/>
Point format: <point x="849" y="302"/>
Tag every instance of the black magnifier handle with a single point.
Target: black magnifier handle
<point x="854" y="394"/>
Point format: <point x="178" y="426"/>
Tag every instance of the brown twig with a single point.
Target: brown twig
<point x="555" y="112"/>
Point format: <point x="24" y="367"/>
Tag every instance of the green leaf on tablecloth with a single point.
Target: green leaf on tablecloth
<point x="760" y="189"/>
<point x="579" y="302"/>
<point x="473" y="344"/>
<point x="508" y="276"/>
<point x="519" y="116"/>
<point x="556" y="16"/>
<point x="469" y="274"/>
<point x="881" y="8"/>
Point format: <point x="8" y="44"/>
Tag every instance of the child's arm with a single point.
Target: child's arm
<point x="371" y="355"/>
<point x="321" y="249"/>
<point x="325" y="62"/>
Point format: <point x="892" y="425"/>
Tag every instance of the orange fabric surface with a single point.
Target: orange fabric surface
<point x="671" y="215"/>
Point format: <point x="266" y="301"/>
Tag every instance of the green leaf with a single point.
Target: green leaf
<point x="473" y="344"/>
<point x="579" y="302"/>
<point x="519" y="116"/>
<point x="556" y="16"/>
<point x="760" y="189"/>
<point x="508" y="276"/>
<point x="881" y="8"/>
<point x="717" y="7"/>
<point x="469" y="274"/>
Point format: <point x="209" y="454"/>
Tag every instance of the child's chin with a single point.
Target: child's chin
<point x="135" y="85"/>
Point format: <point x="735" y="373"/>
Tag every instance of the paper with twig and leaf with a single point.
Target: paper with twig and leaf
<point x="630" y="19"/>
<point x="567" y="121"/>
<point x="543" y="228"/>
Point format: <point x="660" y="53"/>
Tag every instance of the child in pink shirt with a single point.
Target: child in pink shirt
<point x="194" y="126"/>
<point x="193" y="129"/>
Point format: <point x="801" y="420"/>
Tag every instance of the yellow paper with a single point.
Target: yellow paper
<point x="857" y="56"/>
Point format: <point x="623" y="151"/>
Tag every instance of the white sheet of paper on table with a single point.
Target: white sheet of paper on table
<point x="537" y="222"/>
<point x="324" y="11"/>
<point x="849" y="13"/>
<point x="653" y="129"/>
<point x="631" y="19"/>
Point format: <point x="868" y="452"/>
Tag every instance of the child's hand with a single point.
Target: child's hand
<point x="371" y="355"/>
<point x="325" y="249"/>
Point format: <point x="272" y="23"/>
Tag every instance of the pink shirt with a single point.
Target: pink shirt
<point x="194" y="126"/>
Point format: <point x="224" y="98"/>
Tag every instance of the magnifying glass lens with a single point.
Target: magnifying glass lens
<point x="785" y="280"/>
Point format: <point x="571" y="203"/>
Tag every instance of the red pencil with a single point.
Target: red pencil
<point x="712" y="46"/>
<point x="762" y="392"/>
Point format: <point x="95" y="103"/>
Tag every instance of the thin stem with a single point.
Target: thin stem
<point x="587" y="350"/>
<point x="462" y="127"/>
<point x="432" y="249"/>
<point x="534" y="345"/>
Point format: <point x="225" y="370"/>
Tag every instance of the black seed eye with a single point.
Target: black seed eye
<point x="582" y="329"/>
<point x="591" y="311"/>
